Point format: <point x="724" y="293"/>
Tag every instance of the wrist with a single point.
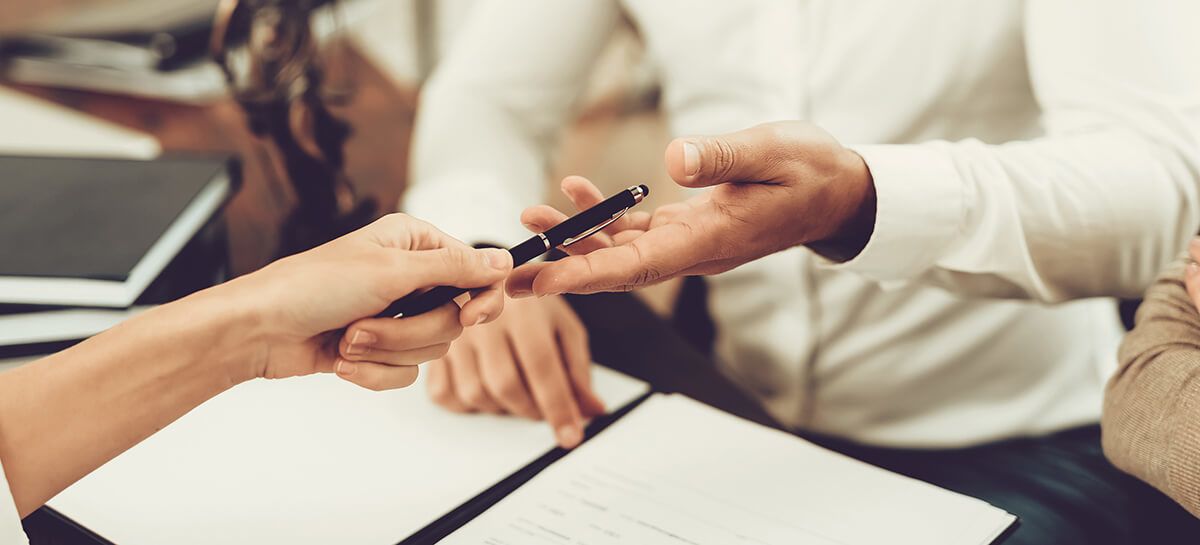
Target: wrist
<point x="853" y="215"/>
<point x="236" y="341"/>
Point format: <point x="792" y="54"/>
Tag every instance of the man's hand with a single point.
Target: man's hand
<point x="777" y="186"/>
<point x="532" y="362"/>
<point x="314" y="310"/>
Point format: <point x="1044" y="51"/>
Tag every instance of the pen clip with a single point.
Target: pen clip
<point x="594" y="230"/>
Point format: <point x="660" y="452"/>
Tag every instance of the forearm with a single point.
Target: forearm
<point x="1151" y="418"/>
<point x="67" y="414"/>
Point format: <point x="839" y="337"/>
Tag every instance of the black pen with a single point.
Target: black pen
<point x="574" y="229"/>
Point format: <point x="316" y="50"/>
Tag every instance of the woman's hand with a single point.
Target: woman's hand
<point x="533" y="362"/>
<point x="313" y="312"/>
<point x="308" y="313"/>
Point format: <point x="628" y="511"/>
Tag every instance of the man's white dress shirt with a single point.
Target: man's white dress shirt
<point x="1039" y="153"/>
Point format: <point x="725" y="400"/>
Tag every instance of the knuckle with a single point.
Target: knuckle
<point x="510" y="389"/>
<point x="440" y="392"/>
<point x="395" y="219"/>
<point x="539" y="357"/>
<point x="474" y="396"/>
<point x="454" y="259"/>
<point x="381" y="265"/>
<point x="387" y="259"/>
<point x="724" y="157"/>
<point x="649" y="273"/>
<point x="776" y="133"/>
<point x="443" y="398"/>
<point x="391" y="223"/>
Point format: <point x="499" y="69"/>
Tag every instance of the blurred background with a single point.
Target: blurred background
<point x="147" y="66"/>
<point x="145" y="69"/>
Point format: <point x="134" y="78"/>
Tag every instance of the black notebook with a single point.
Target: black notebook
<point x="97" y="232"/>
<point x="32" y="330"/>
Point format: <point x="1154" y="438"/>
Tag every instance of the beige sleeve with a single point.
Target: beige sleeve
<point x="1151" y="417"/>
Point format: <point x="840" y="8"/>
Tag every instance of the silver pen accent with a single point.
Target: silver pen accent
<point x="638" y="195"/>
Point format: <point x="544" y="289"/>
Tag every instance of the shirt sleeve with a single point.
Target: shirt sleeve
<point x="1151" y="421"/>
<point x="493" y="108"/>
<point x="11" y="532"/>
<point x="1095" y="207"/>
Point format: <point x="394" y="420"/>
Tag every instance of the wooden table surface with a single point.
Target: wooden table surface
<point x="377" y="154"/>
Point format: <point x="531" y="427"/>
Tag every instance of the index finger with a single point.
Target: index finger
<point x="656" y="256"/>
<point x="404" y="232"/>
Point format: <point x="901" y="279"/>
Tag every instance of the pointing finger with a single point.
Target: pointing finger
<point x="463" y="267"/>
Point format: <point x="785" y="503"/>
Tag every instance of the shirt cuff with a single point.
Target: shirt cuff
<point x="10" y="520"/>
<point x="473" y="209"/>
<point x="919" y="211"/>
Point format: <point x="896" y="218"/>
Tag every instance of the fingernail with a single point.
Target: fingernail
<point x="497" y="258"/>
<point x="569" y="436"/>
<point x="481" y="319"/>
<point x="1193" y="269"/>
<point x="344" y="368"/>
<point x="691" y="159"/>
<point x="361" y="342"/>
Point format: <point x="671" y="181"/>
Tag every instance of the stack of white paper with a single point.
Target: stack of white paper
<point x="36" y="127"/>
<point x="677" y="472"/>
<point x="33" y="126"/>
<point x="60" y="324"/>
<point x="311" y="460"/>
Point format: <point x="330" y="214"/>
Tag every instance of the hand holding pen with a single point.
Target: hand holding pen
<point x="566" y="233"/>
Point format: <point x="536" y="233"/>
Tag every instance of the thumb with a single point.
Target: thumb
<point x="743" y="156"/>
<point x="460" y="266"/>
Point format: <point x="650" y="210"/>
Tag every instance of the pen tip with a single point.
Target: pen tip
<point x="645" y="190"/>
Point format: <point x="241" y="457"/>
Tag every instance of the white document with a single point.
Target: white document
<point x="677" y="472"/>
<point x="36" y="127"/>
<point x="314" y="460"/>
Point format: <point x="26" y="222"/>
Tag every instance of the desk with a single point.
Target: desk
<point x="625" y="335"/>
